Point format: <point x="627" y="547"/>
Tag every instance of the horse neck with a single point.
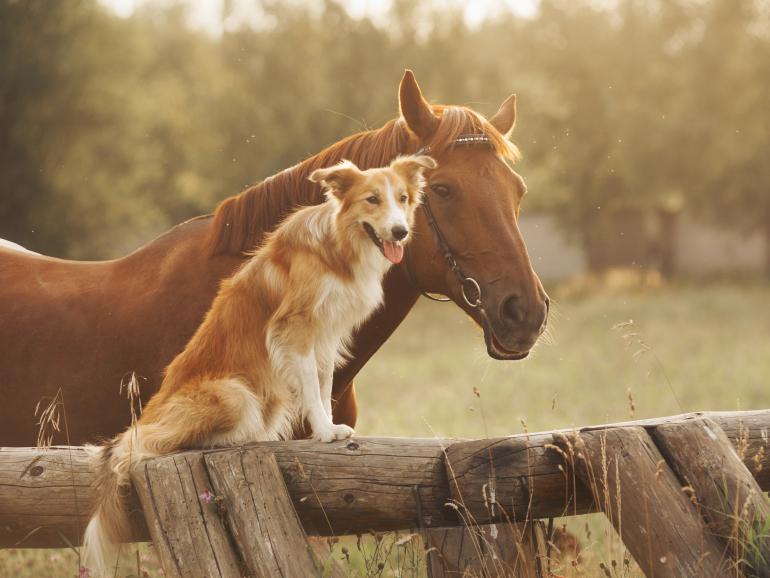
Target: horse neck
<point x="241" y="221"/>
<point x="178" y="259"/>
<point x="212" y="247"/>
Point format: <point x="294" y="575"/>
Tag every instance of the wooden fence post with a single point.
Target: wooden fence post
<point x="510" y="550"/>
<point x="260" y="513"/>
<point x="635" y="488"/>
<point x="494" y="540"/>
<point x="189" y="536"/>
<point x="724" y="490"/>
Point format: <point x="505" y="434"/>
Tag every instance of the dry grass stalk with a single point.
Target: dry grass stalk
<point x="49" y="419"/>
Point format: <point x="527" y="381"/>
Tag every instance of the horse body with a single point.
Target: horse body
<point x="6" y="244"/>
<point x="85" y="327"/>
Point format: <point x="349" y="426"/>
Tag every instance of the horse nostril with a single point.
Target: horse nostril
<point x="399" y="232"/>
<point x="513" y="311"/>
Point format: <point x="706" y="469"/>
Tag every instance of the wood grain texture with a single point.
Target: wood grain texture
<point x="46" y="498"/>
<point x="512" y="479"/>
<point x="355" y="485"/>
<point x="501" y="550"/>
<point x="726" y="493"/>
<point x="260" y="513"/>
<point x="641" y="496"/>
<point x="189" y="536"/>
<point x="363" y="484"/>
<point x="517" y="478"/>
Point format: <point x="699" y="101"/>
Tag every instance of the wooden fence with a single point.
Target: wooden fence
<point x="678" y="490"/>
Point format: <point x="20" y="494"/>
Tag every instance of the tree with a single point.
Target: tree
<point x="729" y="117"/>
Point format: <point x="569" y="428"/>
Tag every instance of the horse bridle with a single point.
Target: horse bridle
<point x="465" y="281"/>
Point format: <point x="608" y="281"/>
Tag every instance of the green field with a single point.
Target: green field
<point x="689" y="347"/>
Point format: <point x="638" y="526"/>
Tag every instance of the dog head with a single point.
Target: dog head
<point x="378" y="203"/>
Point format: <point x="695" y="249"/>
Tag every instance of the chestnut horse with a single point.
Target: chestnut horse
<point x="85" y="327"/>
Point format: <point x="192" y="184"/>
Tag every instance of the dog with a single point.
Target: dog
<point x="263" y="358"/>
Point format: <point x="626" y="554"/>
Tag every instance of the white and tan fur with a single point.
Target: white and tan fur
<point x="264" y="356"/>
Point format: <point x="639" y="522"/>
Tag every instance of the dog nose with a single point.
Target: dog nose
<point x="399" y="232"/>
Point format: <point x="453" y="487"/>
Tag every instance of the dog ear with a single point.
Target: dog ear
<point x="337" y="180"/>
<point x="412" y="167"/>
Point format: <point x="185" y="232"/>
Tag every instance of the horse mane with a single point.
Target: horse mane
<point x="241" y="221"/>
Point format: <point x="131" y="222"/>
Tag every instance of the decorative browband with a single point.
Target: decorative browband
<point x="472" y="139"/>
<point x="465" y="139"/>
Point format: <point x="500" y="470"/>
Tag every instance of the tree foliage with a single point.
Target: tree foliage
<point x="113" y="129"/>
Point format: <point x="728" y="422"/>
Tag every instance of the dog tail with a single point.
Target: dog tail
<point x="109" y="525"/>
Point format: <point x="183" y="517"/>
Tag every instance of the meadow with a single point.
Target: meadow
<point x="610" y="355"/>
<point x="673" y="349"/>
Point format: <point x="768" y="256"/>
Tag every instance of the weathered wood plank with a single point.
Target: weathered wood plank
<point x="511" y="550"/>
<point x="521" y="476"/>
<point x="635" y="488"/>
<point x="725" y="492"/>
<point x="338" y="488"/>
<point x="361" y="484"/>
<point x="749" y="433"/>
<point x="260" y="513"/>
<point x="512" y="479"/>
<point x="189" y="536"/>
<point x="46" y="498"/>
<point x="324" y="555"/>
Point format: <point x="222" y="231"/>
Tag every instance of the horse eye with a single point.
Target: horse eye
<point x="373" y="200"/>
<point x="441" y="190"/>
<point x="404" y="198"/>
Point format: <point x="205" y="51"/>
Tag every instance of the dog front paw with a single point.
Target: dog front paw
<point x="333" y="432"/>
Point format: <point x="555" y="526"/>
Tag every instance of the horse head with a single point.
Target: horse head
<point x="467" y="244"/>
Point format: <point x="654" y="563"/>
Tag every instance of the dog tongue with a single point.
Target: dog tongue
<point x="394" y="252"/>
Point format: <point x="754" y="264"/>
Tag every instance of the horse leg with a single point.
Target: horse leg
<point x="344" y="405"/>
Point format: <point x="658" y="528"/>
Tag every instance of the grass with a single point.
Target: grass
<point x="709" y="343"/>
<point x="614" y="355"/>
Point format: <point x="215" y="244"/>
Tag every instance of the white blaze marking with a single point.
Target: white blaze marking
<point x="396" y="215"/>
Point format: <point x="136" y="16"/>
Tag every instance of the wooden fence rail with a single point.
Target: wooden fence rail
<point x="360" y="484"/>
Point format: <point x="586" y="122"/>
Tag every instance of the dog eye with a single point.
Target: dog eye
<point x="373" y="200"/>
<point x="404" y="198"/>
<point x="441" y="191"/>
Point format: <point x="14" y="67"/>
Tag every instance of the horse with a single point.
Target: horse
<point x="76" y="332"/>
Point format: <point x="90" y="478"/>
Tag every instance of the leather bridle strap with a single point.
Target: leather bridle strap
<point x="466" y="282"/>
<point x="413" y="279"/>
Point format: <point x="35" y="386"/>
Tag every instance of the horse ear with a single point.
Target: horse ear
<point x="337" y="180"/>
<point x="414" y="108"/>
<point x="412" y="167"/>
<point x="505" y="118"/>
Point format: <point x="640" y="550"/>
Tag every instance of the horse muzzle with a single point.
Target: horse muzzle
<point x="516" y="328"/>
